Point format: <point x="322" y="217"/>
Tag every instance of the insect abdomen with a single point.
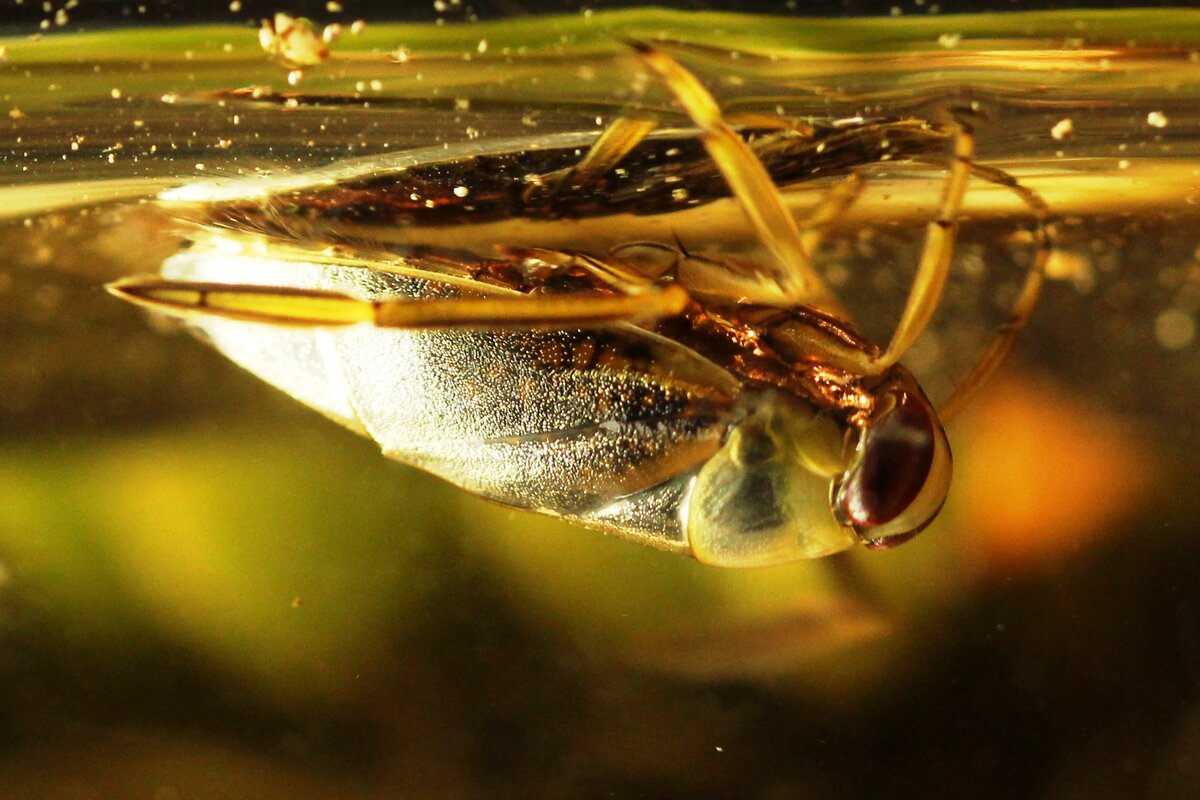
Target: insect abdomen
<point x="605" y="427"/>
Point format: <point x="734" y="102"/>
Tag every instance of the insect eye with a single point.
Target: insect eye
<point x="900" y="475"/>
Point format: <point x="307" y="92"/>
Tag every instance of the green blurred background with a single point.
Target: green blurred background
<point x="207" y="591"/>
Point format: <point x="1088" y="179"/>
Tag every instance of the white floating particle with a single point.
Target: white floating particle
<point x="294" y="77"/>
<point x="1156" y="119"/>
<point x="235" y="6"/>
<point x="333" y="7"/>
<point x="461" y="191"/>
<point x="116" y="94"/>
<point x="1062" y="129"/>
<point x="482" y="46"/>
<point x="1175" y="329"/>
<point x="950" y="40"/>
<point x="358" y="26"/>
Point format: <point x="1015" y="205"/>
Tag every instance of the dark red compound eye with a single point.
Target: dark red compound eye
<point x="896" y="454"/>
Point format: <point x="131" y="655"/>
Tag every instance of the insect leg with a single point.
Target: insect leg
<point x="610" y="272"/>
<point x="833" y="205"/>
<point x="625" y="133"/>
<point x="616" y="141"/>
<point x="750" y="183"/>
<point x="936" y="255"/>
<point x="771" y="122"/>
<point x="305" y="307"/>
<point x="1027" y="298"/>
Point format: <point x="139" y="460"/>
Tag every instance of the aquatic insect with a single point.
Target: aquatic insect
<point x="714" y="405"/>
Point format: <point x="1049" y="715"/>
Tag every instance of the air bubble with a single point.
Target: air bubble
<point x="1175" y="329"/>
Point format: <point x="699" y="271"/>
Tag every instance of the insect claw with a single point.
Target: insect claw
<point x="637" y="45"/>
<point x="144" y="292"/>
<point x="965" y="116"/>
<point x="683" y="251"/>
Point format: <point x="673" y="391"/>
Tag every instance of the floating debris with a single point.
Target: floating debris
<point x="1062" y="129"/>
<point x="294" y="41"/>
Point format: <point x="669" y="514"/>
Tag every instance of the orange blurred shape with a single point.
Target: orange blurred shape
<point x="1041" y="475"/>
